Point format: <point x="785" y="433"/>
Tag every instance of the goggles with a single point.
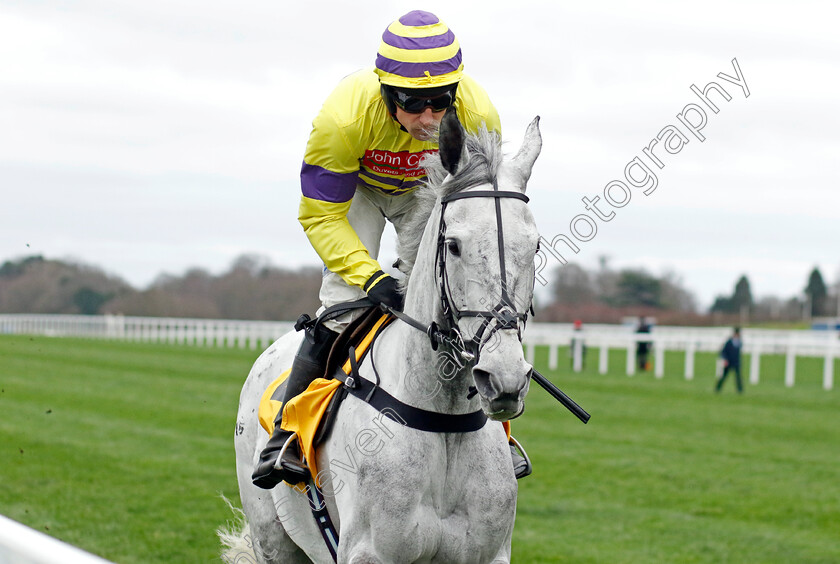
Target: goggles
<point x="417" y="104"/>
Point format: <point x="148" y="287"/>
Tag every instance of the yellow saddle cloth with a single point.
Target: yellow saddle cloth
<point x="303" y="414"/>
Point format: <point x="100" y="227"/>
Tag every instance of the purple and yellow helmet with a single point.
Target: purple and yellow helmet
<point x="419" y="51"/>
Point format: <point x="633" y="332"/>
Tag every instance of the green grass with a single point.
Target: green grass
<point x="123" y="448"/>
<point x="668" y="471"/>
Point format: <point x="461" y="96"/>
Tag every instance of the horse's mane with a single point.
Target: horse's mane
<point x="479" y="164"/>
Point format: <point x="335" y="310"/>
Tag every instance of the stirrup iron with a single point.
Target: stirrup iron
<point x="519" y="470"/>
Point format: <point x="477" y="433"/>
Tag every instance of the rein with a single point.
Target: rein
<point x="403" y="413"/>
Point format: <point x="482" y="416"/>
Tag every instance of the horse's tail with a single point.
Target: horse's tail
<point x="237" y="546"/>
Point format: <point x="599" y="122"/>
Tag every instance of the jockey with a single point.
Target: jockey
<point x="361" y="166"/>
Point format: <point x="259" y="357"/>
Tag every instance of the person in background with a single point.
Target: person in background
<point x="731" y="355"/>
<point x="643" y="347"/>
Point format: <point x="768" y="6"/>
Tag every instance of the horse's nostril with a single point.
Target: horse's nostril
<point x="484" y="383"/>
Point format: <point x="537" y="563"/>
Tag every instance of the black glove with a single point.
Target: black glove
<point x="385" y="291"/>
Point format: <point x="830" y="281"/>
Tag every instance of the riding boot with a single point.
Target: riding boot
<point x="308" y="365"/>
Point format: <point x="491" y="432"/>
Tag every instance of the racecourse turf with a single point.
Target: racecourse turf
<point x="124" y="448"/>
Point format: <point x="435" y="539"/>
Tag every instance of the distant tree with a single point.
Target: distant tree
<point x="793" y="308"/>
<point x="817" y="292"/>
<point x="160" y="302"/>
<point x="637" y="288"/>
<point x="605" y="280"/>
<point x="37" y="285"/>
<point x="573" y="285"/>
<point x="768" y="308"/>
<point x="722" y="304"/>
<point x="89" y="301"/>
<point x="674" y="295"/>
<point x="742" y="296"/>
<point x="11" y="268"/>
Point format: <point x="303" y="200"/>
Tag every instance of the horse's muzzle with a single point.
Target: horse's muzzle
<point x="502" y="409"/>
<point x="499" y="405"/>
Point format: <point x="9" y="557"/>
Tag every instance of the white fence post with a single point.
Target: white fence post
<point x="603" y="358"/>
<point x="659" y="358"/>
<point x="631" y="357"/>
<point x="530" y="353"/>
<point x="790" y="366"/>
<point x="689" y="360"/>
<point x="553" y="353"/>
<point x="577" y="359"/>
<point x="252" y="338"/>
<point x="828" y="368"/>
<point x="755" y="362"/>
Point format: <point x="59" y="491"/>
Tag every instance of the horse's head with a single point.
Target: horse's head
<point x="487" y="241"/>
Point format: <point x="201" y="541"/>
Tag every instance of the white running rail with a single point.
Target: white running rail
<point x="21" y="545"/>
<point x="757" y="342"/>
<point x="259" y="334"/>
<point x="209" y="332"/>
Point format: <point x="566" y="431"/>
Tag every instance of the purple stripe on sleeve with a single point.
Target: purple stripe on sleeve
<point x="418" y="18"/>
<point x="415" y="43"/>
<point x="319" y="183"/>
<point x="415" y="70"/>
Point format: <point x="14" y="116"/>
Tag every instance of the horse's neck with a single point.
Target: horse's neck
<point x="416" y="374"/>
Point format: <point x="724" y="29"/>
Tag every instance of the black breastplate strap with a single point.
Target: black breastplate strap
<point x="414" y="417"/>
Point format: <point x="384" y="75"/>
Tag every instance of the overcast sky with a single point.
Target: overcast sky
<point x="149" y="137"/>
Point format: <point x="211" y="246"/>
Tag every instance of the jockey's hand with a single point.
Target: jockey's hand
<point x="385" y="292"/>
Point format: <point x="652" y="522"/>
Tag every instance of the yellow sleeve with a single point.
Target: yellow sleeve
<point x="328" y="181"/>
<point x="335" y="241"/>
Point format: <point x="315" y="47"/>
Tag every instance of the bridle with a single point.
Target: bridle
<point x="503" y="315"/>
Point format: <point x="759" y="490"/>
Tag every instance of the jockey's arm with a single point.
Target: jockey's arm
<point x="335" y="241"/>
<point x="328" y="183"/>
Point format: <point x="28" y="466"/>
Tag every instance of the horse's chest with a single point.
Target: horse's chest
<point x="473" y="525"/>
<point x="452" y="504"/>
<point x="467" y="518"/>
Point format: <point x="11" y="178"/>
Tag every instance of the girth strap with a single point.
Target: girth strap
<point x="318" y="505"/>
<point x="414" y="417"/>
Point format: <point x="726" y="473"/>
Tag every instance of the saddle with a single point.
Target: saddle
<point x="312" y="413"/>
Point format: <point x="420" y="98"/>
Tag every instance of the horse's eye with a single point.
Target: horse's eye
<point x="453" y="248"/>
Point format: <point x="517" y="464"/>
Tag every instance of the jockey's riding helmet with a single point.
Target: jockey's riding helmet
<point x="418" y="63"/>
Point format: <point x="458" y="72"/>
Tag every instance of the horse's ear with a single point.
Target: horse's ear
<point x="451" y="141"/>
<point x="530" y="150"/>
